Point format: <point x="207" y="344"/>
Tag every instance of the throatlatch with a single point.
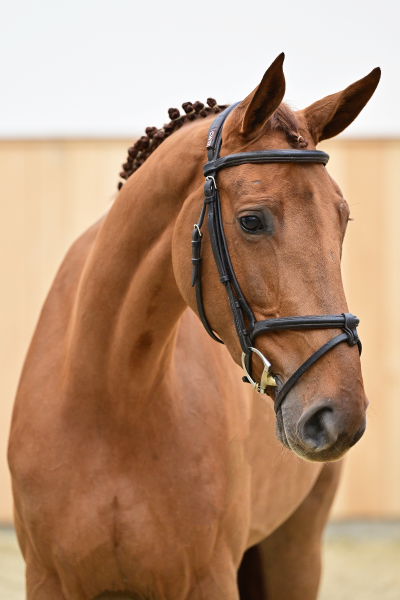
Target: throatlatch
<point x="237" y="302"/>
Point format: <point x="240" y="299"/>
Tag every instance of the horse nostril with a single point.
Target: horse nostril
<point x="318" y="428"/>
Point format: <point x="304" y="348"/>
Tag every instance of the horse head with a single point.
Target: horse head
<point x="284" y="226"/>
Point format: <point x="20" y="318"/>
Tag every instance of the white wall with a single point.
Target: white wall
<point x="96" y="68"/>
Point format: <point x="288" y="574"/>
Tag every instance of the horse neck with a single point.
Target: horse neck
<point x="128" y="305"/>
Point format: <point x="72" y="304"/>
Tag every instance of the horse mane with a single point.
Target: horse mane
<point x="283" y="119"/>
<point x="146" y="145"/>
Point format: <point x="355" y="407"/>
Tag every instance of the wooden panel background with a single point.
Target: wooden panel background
<point x="50" y="191"/>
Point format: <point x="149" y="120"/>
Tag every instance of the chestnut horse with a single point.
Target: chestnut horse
<point x="142" y="466"/>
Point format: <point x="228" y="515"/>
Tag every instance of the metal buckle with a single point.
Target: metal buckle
<point x="266" y="377"/>
<point x="211" y="178"/>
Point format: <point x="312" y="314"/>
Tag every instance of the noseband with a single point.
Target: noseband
<point x="237" y="302"/>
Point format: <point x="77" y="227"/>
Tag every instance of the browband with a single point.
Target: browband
<point x="266" y="156"/>
<point x="248" y="332"/>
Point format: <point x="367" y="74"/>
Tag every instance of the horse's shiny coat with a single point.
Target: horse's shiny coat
<point x="142" y="467"/>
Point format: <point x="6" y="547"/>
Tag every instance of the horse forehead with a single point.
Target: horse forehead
<point x="275" y="180"/>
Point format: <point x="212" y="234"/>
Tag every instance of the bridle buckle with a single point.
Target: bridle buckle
<point x="266" y="378"/>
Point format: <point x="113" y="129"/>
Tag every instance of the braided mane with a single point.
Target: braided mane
<point x="146" y="145"/>
<point x="283" y="119"/>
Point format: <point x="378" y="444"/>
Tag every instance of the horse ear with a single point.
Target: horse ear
<point x="331" y="115"/>
<point x="265" y="99"/>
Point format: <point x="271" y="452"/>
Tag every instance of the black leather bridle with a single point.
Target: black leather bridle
<point x="237" y="302"/>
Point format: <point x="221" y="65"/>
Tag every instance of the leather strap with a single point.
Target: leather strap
<point x="280" y="396"/>
<point x="307" y="322"/>
<point x="214" y="136"/>
<point x="222" y="260"/>
<point x="196" y="280"/>
<point x="266" y="156"/>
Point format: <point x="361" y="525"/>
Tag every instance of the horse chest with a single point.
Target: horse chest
<point x="122" y="501"/>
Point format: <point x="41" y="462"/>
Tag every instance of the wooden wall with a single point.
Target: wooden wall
<point x="369" y="175"/>
<point x="50" y="191"/>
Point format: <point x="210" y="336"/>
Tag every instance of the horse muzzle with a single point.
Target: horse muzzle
<point x="325" y="431"/>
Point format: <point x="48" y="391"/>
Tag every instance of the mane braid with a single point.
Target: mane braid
<point x="146" y="145"/>
<point x="283" y="119"/>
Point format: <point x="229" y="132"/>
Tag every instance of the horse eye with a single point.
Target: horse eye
<point x="251" y="223"/>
